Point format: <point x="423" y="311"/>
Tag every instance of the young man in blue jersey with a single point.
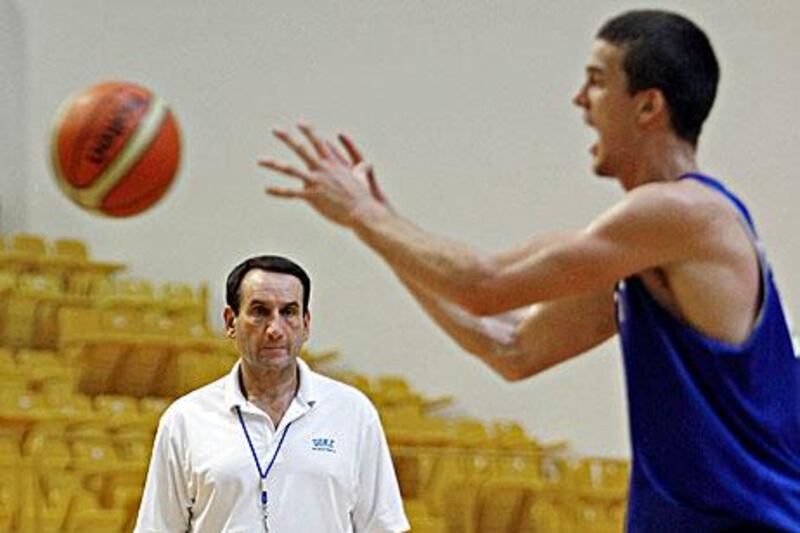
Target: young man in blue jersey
<point x="674" y="268"/>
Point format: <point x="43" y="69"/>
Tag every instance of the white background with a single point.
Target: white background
<point x="464" y="107"/>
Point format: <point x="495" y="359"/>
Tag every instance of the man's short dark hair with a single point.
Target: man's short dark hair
<point x="669" y="52"/>
<point x="268" y="263"/>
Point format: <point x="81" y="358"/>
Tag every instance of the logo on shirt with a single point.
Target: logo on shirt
<point x="323" y="445"/>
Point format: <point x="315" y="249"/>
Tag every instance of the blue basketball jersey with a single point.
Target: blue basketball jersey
<point x="715" y="427"/>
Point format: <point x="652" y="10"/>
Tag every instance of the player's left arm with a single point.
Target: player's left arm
<point x="654" y="225"/>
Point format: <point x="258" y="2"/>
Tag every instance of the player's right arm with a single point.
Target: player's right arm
<point x="519" y="343"/>
<point x="524" y="342"/>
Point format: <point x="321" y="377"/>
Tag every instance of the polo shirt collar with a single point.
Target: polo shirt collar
<point x="306" y="392"/>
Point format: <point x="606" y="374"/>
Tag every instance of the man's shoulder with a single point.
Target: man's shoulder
<point x="331" y="389"/>
<point x="687" y="207"/>
<point x="200" y="400"/>
<point x="671" y="195"/>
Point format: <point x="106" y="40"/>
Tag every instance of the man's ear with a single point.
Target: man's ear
<point x="651" y="105"/>
<point x="307" y="324"/>
<point x="230" y="322"/>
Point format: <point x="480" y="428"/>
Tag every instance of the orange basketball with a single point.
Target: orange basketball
<point x="115" y="148"/>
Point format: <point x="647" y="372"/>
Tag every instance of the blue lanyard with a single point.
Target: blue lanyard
<point x="262" y="475"/>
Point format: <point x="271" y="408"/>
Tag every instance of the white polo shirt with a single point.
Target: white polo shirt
<point x="333" y="472"/>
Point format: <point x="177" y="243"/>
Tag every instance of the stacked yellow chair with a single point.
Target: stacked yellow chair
<point x="89" y="361"/>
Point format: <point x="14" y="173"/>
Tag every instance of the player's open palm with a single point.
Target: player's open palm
<point x="335" y="185"/>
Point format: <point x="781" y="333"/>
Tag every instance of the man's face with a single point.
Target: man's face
<point x="271" y="326"/>
<point x="609" y="109"/>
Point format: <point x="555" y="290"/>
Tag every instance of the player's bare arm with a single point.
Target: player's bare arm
<point x="523" y="342"/>
<point x="653" y="226"/>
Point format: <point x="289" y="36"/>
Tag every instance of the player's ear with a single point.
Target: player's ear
<point x="651" y="104"/>
<point x="230" y="322"/>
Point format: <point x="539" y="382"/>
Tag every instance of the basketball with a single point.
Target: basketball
<point x="115" y="148"/>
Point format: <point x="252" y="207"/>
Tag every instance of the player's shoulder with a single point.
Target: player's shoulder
<point x="677" y="194"/>
<point x="683" y="202"/>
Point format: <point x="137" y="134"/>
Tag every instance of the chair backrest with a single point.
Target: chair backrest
<point x="71" y="249"/>
<point x="29" y="244"/>
<point x="502" y="506"/>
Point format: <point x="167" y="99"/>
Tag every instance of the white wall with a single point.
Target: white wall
<point x="465" y="109"/>
<point x="12" y="119"/>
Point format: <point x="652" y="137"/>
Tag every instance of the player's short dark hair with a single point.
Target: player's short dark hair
<point x="268" y="263"/>
<point x="669" y="52"/>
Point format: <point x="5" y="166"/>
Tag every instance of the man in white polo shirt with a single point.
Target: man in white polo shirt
<point x="272" y="446"/>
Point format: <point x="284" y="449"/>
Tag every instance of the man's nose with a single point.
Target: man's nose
<point x="274" y="329"/>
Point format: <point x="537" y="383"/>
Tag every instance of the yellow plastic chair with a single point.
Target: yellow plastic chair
<point x="29" y="243"/>
<point x="460" y="506"/>
<point x="39" y="365"/>
<point x="599" y="476"/>
<point x="71" y="249"/>
<point x="8" y="364"/>
<point x="133" y="442"/>
<point x="8" y="281"/>
<point x="21" y="405"/>
<point x="9" y="497"/>
<point x="117" y="409"/>
<point x="152" y="407"/>
<point x="86" y="514"/>
<point x="503" y="506"/>
<point x="420" y="518"/>
<point x="471" y="433"/>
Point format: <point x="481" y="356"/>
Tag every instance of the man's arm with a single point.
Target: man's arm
<point x="379" y="505"/>
<point x="165" y="503"/>
<point x="651" y="227"/>
<point x="521" y="343"/>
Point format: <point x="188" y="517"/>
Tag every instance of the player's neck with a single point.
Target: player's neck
<point x="662" y="159"/>
<point x="270" y="390"/>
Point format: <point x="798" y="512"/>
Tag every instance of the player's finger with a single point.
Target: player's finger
<point x="336" y="153"/>
<point x="374" y="189"/>
<point x="350" y="147"/>
<point x="287" y="170"/>
<point x="282" y="192"/>
<point x="319" y="146"/>
<point x="297" y="148"/>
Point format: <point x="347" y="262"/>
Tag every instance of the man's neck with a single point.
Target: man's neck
<point x="270" y="390"/>
<point x="664" y="159"/>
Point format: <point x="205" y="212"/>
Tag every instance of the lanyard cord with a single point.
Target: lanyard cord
<point x="262" y="475"/>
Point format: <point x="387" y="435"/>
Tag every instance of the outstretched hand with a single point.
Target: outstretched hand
<point x="335" y="185"/>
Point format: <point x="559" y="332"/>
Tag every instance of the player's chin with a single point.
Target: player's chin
<point x="598" y="168"/>
<point x="601" y="166"/>
<point x="602" y="171"/>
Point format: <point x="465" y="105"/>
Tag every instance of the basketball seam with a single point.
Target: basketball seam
<point x="136" y="145"/>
